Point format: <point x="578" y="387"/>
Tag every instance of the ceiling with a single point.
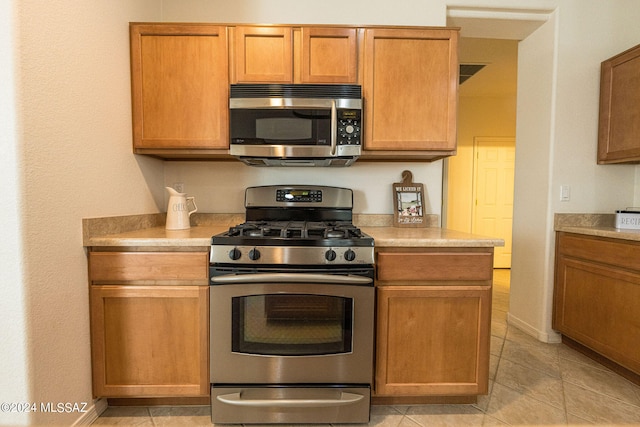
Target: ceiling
<point x="499" y="76"/>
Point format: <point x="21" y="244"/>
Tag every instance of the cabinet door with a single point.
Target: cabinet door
<point x="329" y="55"/>
<point x="432" y="340"/>
<point x="149" y="340"/>
<point x="180" y="86"/>
<point x="597" y="296"/>
<point x="410" y="88"/>
<point x="619" y="129"/>
<point x="263" y="55"/>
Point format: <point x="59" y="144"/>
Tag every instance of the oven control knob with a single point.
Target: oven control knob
<point x="349" y="255"/>
<point x="235" y="254"/>
<point x="330" y="255"/>
<point x="254" y="254"/>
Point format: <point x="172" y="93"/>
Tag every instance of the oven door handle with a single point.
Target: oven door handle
<point x="291" y="278"/>
<point x="236" y="400"/>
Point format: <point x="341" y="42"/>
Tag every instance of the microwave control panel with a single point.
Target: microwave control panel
<point x="349" y="127"/>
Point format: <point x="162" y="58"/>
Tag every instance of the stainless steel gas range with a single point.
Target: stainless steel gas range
<point x="292" y="311"/>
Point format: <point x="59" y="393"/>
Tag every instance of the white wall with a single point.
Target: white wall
<point x="219" y="186"/>
<point x="534" y="127"/>
<point x="406" y="12"/>
<point x="13" y="319"/>
<point x="68" y="156"/>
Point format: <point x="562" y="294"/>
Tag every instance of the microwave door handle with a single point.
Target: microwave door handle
<point x="334" y="127"/>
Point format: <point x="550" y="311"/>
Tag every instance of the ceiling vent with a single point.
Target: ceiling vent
<point x="469" y="70"/>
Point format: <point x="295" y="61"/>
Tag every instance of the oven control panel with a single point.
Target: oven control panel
<point x="241" y="254"/>
<point x="298" y="195"/>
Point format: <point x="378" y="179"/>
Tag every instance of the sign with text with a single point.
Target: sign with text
<point x="408" y="202"/>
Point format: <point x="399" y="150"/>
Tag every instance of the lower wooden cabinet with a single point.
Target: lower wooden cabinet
<point x="150" y="340"/>
<point x="433" y="340"/>
<point x="597" y="297"/>
<point x="149" y="324"/>
<point x="433" y="322"/>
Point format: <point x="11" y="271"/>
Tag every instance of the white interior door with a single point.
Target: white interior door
<point x="493" y="193"/>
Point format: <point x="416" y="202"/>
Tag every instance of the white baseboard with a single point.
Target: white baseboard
<point x="550" y="337"/>
<point x="92" y="414"/>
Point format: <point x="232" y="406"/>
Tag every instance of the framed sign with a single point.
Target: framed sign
<point x="408" y="202"/>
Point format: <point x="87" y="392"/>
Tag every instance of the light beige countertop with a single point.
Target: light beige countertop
<point x="599" y="225"/>
<point x="429" y="236"/>
<point x="149" y="230"/>
<point x="159" y="236"/>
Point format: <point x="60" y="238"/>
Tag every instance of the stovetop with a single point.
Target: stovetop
<point x="285" y="232"/>
<point x="295" y="224"/>
<point x="293" y="242"/>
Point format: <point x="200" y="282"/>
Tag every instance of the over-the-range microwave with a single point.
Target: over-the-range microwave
<point x="296" y="124"/>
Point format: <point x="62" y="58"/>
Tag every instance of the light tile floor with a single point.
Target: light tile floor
<point x="532" y="384"/>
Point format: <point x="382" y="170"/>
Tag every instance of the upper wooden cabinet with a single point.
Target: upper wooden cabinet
<point x="262" y="55"/>
<point x="180" y="76"/>
<point x="265" y="54"/>
<point x="619" y="129"/>
<point x="328" y="55"/>
<point x="411" y="89"/>
<point x="180" y="89"/>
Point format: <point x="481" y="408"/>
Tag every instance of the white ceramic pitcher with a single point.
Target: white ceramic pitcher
<point x="178" y="212"/>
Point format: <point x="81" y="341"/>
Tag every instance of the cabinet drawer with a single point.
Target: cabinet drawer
<point x="122" y="266"/>
<point x="435" y="266"/>
<point x="620" y="253"/>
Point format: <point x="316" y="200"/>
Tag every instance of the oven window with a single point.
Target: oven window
<point x="292" y="324"/>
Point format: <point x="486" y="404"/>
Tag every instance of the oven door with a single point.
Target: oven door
<point x="281" y="328"/>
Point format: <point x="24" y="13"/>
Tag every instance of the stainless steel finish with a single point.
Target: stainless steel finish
<point x="299" y="162"/>
<point x="244" y="103"/>
<point x="291" y="278"/>
<point x="298" y="155"/>
<point x="334" y="128"/>
<point x="291" y="318"/>
<point x="344" y="399"/>
<point x="265" y="196"/>
<point x="227" y="367"/>
<point x="295" y="151"/>
<point x="290" y="405"/>
<point x="288" y="255"/>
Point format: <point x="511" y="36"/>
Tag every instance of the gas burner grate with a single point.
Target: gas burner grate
<point x="296" y="230"/>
